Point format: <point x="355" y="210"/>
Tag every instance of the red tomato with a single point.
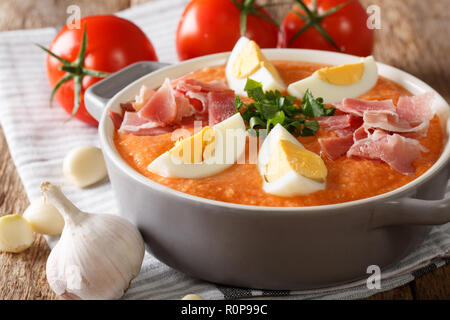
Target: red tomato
<point x="211" y="26"/>
<point x="112" y="44"/>
<point x="347" y="27"/>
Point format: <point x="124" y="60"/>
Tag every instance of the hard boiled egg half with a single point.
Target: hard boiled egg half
<point x="247" y="61"/>
<point x="287" y="168"/>
<point x="336" y="83"/>
<point x="205" y="153"/>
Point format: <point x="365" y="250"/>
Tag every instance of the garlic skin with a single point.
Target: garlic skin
<point x="84" y="166"/>
<point x="192" y="296"/>
<point x="97" y="255"/>
<point x="44" y="218"/>
<point x="16" y="234"/>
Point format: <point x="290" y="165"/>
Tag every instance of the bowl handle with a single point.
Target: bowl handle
<point x="410" y="211"/>
<point x="98" y="95"/>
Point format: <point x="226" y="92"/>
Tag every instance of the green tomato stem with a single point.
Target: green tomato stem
<point x="313" y="19"/>
<point x="74" y="71"/>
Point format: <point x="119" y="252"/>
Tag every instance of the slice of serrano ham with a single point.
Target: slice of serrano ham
<point x="397" y="151"/>
<point x="390" y="121"/>
<point x="116" y="118"/>
<point x="166" y="108"/>
<point x="360" y="133"/>
<point x="339" y="122"/>
<point x="198" y="90"/>
<point x="186" y="85"/>
<point x="134" y="122"/>
<point x="184" y="107"/>
<point x="220" y="106"/>
<point x="336" y="147"/>
<point x="416" y="109"/>
<point x="162" y="107"/>
<point x="388" y="133"/>
<point x="145" y="94"/>
<point x="201" y="98"/>
<point x="357" y="107"/>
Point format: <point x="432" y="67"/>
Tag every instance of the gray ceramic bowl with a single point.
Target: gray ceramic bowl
<point x="267" y="247"/>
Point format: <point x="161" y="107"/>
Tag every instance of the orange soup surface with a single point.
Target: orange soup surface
<point x="348" y="179"/>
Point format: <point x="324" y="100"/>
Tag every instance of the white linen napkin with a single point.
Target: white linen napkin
<point x="39" y="137"/>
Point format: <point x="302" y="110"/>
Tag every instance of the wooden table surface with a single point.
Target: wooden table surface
<point x="414" y="37"/>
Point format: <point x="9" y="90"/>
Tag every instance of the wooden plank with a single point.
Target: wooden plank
<point x="23" y="274"/>
<point x="433" y="285"/>
<point x="401" y="293"/>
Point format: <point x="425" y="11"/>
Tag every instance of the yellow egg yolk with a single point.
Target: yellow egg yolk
<point x="288" y="156"/>
<point x="249" y="60"/>
<point x="196" y="148"/>
<point x="342" y="75"/>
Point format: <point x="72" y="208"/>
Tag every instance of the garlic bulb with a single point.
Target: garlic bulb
<point x="16" y="234"/>
<point x="97" y="255"/>
<point x="44" y="218"/>
<point x="84" y="166"/>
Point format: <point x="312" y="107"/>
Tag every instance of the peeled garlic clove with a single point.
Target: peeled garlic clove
<point x="192" y="296"/>
<point x="84" y="166"/>
<point x="44" y="218"/>
<point x="97" y="255"/>
<point x="16" y="234"/>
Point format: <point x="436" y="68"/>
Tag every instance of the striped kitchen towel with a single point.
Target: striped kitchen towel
<point x="39" y="136"/>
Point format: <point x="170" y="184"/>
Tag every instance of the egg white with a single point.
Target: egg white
<point x="332" y="93"/>
<point x="291" y="183"/>
<point x="262" y="75"/>
<point x="230" y="146"/>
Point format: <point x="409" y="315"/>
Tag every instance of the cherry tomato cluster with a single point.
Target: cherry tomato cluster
<point x="214" y="26"/>
<point x="78" y="58"/>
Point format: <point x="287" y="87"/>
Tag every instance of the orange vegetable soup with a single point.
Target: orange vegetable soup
<point x="348" y="179"/>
